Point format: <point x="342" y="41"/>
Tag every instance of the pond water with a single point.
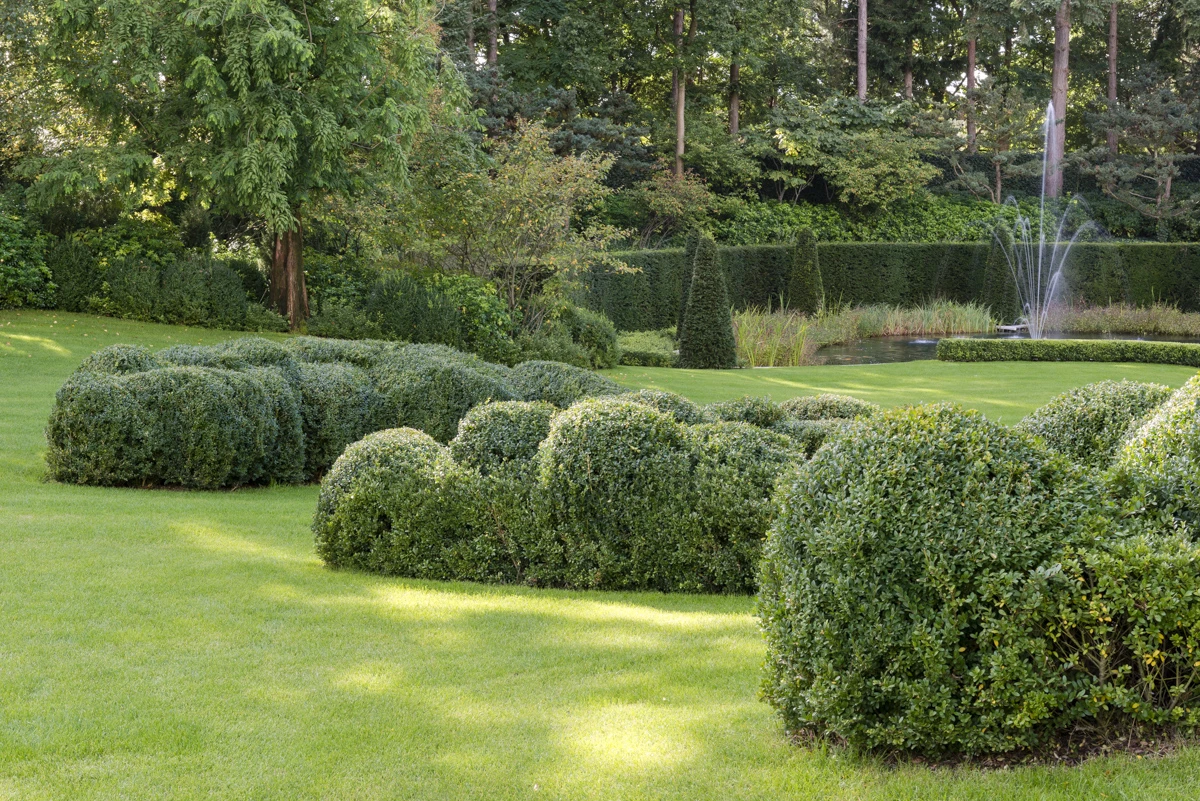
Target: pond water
<point x="885" y="350"/>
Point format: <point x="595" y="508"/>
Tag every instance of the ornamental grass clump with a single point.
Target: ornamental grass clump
<point x="898" y="552"/>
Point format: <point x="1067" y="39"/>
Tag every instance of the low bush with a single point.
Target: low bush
<point x="431" y="394"/>
<point x="261" y="320"/>
<point x="25" y="280"/>
<point x="120" y="359"/>
<point x="557" y="383"/>
<point x="1157" y="469"/>
<point x="677" y="406"/>
<point x="897" y="553"/>
<point x="1068" y="350"/>
<point x="761" y="412"/>
<point x="494" y="436"/>
<point x="395" y="502"/>
<point x="338" y="403"/>
<point x="74" y="270"/>
<point x="340" y="320"/>
<point x="284" y="457"/>
<point x="827" y="407"/>
<point x="809" y="435"/>
<point x="361" y="353"/>
<point x="591" y="331"/>
<point x="1087" y="424"/>
<point x="648" y="348"/>
<point x="552" y="345"/>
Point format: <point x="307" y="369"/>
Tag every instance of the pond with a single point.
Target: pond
<point x="885" y="350"/>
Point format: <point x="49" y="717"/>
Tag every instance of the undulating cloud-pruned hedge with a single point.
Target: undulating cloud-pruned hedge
<point x="938" y="583"/>
<point x="962" y="349"/>
<point x="253" y="411"/>
<point x="900" y="273"/>
<point x="643" y="490"/>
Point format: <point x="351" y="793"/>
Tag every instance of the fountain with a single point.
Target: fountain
<point x="1036" y="264"/>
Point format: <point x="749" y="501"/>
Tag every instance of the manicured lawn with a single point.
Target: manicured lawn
<point x="181" y="644"/>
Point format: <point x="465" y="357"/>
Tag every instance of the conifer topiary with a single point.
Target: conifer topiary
<point x="707" y="340"/>
<point x="806" y="291"/>
<point x="689" y="260"/>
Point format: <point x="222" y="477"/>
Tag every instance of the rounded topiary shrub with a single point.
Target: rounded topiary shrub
<point x="677" y="406"/>
<point x="898" y="551"/>
<point x="395" y="502"/>
<point x="828" y="407"/>
<point x="1088" y="423"/>
<point x="120" y="359"/>
<point x="615" y="480"/>
<point x="809" y="435"/>
<point x="361" y="353"/>
<point x="737" y="465"/>
<point x="431" y="393"/>
<point x="495" y="435"/>
<point x="259" y="352"/>
<point x="338" y="404"/>
<point x="201" y="356"/>
<point x="557" y="383"/>
<point x="1157" y="469"/>
<point x="283" y="459"/>
<point x="761" y="412"/>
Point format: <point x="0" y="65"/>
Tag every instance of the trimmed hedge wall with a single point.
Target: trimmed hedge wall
<point x="857" y="273"/>
<point x="1068" y="350"/>
<point x="252" y="411"/>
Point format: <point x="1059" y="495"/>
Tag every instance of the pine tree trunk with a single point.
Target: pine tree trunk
<point x="680" y="82"/>
<point x="862" y="50"/>
<point x="289" y="295"/>
<point x="908" y="72"/>
<point x="1058" y="97"/>
<point x="735" y="100"/>
<point x="471" y="32"/>
<point x="971" y="147"/>
<point x="1112" y="72"/>
<point x="493" y="25"/>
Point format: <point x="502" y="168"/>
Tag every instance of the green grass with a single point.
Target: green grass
<point x="159" y="644"/>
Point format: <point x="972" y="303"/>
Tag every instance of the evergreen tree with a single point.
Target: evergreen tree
<point x="689" y="262"/>
<point x="707" y="341"/>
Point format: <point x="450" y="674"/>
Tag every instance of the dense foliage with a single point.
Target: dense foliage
<point x="1068" y="350"/>
<point x="706" y="335"/>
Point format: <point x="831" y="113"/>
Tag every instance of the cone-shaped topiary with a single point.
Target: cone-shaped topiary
<point x="689" y="260"/>
<point x="707" y="340"/>
<point x="806" y="290"/>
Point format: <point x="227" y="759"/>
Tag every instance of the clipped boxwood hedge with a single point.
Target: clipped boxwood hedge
<point x="1068" y="350"/>
<point x="1087" y="424"/>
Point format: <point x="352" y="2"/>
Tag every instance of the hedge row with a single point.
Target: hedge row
<point x="856" y="273"/>
<point x="641" y="491"/>
<point x="939" y="583"/>
<point x="253" y="411"/>
<point x="1067" y="350"/>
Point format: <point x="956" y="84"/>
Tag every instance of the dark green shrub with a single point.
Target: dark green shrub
<point x="677" y="406"/>
<point x="201" y="356"/>
<point x="1067" y="350"/>
<point x="593" y="332"/>
<point x="431" y="354"/>
<point x="259" y="352"/>
<point x="131" y="289"/>
<point x="901" y="273"/>
<point x="736" y="469"/>
<point x="283" y="457"/>
<point x="361" y="353"/>
<point x="1087" y="424"/>
<point x="338" y="407"/>
<point x="648" y="348"/>
<point x="806" y="292"/>
<point x="1157" y="468"/>
<point x="761" y="412"/>
<point x="689" y="262"/>
<point x="615" y="478"/>
<point x="25" y="280"/>
<point x="184" y="292"/>
<point x="396" y="503"/>
<point x="119" y="359"/>
<point x="560" y="384"/>
<point x="550" y="345"/>
<point x="898" y="550"/>
<point x="404" y="309"/>
<point x="827" y="407"/>
<point x="227" y="306"/>
<point x="341" y="320"/>
<point x="706" y="339"/>
<point x="431" y="393"/>
<point x="809" y="435"/>
<point x="184" y="426"/>
<point x="495" y="435"/>
<point x="75" y="274"/>
<point x="263" y="320"/>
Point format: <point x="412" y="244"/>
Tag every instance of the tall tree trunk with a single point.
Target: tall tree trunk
<point x="289" y="295"/>
<point x="1112" y="72"/>
<point x="471" y="31"/>
<point x="735" y="100"/>
<point x="680" y="82"/>
<point x="862" y="50"/>
<point x="1058" y="97"/>
<point x="971" y="147"/>
<point x="908" y="72"/>
<point x="493" y="25"/>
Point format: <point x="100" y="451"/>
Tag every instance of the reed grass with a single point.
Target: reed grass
<point x="1159" y="319"/>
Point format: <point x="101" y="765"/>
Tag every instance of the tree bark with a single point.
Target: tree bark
<point x="289" y="296"/>
<point x="735" y="101"/>
<point x="680" y="82"/>
<point x="971" y="147"/>
<point x="1058" y="97"/>
<point x="862" y="51"/>
<point x="493" y="26"/>
<point x="1112" y="72"/>
<point x="471" y="31"/>
<point x="908" y="72"/>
